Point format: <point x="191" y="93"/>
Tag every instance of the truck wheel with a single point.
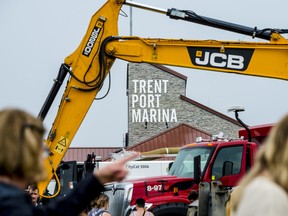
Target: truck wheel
<point x="170" y="209"/>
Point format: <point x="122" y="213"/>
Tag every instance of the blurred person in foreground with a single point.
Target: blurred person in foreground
<point x="264" y="191"/>
<point x="22" y="164"/>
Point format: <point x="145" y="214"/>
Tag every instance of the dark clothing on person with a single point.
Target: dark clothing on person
<point x="14" y="202"/>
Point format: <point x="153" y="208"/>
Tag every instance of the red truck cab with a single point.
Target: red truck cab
<point x="226" y="161"/>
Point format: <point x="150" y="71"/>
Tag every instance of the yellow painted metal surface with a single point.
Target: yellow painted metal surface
<point x="75" y="103"/>
<point x="88" y="70"/>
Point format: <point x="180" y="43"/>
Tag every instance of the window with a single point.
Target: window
<point x="183" y="165"/>
<point x="228" y="154"/>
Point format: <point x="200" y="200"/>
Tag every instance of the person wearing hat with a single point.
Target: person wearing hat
<point x="140" y="209"/>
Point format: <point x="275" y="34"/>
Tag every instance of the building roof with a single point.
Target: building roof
<point x="177" y="136"/>
<point x="79" y="154"/>
<point x="174" y="137"/>
<point x="208" y="109"/>
<point x="168" y="70"/>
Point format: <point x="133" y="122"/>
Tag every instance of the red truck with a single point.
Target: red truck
<point x="218" y="159"/>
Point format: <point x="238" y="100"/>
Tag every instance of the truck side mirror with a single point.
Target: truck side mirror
<point x="169" y="166"/>
<point x="227" y="168"/>
<point x="197" y="169"/>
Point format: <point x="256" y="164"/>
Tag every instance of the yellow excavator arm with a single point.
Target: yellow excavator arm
<point x="245" y="58"/>
<point x="90" y="63"/>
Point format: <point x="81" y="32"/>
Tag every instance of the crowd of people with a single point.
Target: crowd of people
<point x="264" y="191"/>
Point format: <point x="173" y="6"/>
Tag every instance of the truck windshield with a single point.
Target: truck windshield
<point x="183" y="165"/>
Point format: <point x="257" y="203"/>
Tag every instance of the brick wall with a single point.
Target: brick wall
<point x="155" y="103"/>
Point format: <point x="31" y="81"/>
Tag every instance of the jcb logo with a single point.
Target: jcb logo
<point x="235" y="59"/>
<point x="220" y="60"/>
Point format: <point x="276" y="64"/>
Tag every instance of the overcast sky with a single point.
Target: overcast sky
<point x="37" y="35"/>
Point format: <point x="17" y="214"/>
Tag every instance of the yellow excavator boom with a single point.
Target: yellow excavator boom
<point x="90" y="63"/>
